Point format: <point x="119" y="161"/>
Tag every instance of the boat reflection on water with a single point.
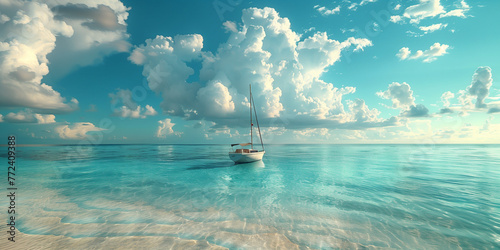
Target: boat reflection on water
<point x="255" y="164"/>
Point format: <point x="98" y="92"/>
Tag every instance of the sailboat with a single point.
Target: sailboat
<point x="245" y="155"/>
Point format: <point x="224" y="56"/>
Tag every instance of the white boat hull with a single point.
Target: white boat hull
<point x="246" y="157"/>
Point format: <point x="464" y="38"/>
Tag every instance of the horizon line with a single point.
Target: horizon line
<point x="192" y="144"/>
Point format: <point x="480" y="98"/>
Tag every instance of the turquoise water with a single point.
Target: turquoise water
<point x="317" y="196"/>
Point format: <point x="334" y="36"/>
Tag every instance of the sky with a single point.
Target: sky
<point x="178" y="72"/>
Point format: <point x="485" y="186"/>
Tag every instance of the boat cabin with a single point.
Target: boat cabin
<point x="245" y="150"/>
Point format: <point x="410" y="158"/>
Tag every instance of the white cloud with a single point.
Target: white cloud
<point x="28" y="34"/>
<point x="1" y="118"/>
<point x="20" y="117"/>
<point x="27" y="116"/>
<point x="456" y="13"/>
<point x="402" y="98"/>
<point x="397" y="7"/>
<point x="25" y="41"/>
<point x="264" y="52"/>
<point x="396" y="19"/>
<point x="124" y="106"/>
<point x="403" y="53"/>
<point x="465" y="100"/>
<point x="445" y="98"/>
<point x="433" y="8"/>
<point x="429" y="55"/>
<point x="400" y="94"/>
<point x="230" y="26"/>
<point x="432" y="28"/>
<point x="164" y="60"/>
<point x="44" y="119"/>
<point x="361" y="113"/>
<point x="150" y="111"/>
<point x="166" y="128"/>
<point x="364" y="2"/>
<point x="76" y="131"/>
<point x="215" y="99"/>
<point x="424" y="9"/>
<point x="326" y="12"/>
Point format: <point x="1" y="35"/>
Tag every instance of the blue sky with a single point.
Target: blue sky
<point x="360" y="71"/>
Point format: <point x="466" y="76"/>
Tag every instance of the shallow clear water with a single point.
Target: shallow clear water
<point x="317" y="196"/>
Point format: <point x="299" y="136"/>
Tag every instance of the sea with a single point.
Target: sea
<point x="297" y="197"/>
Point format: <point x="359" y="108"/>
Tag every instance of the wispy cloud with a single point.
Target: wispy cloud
<point x="433" y="27"/>
<point x="430" y="9"/>
<point x="326" y="12"/>
<point x="430" y="55"/>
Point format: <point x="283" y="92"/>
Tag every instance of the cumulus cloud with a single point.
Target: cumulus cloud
<point x="166" y="128"/>
<point x="124" y="106"/>
<point x="402" y="98"/>
<point x="164" y="60"/>
<point x="26" y="38"/>
<point x="396" y="19"/>
<point x="400" y="94"/>
<point x="326" y="12"/>
<point x="361" y="113"/>
<point x="430" y="55"/>
<point x="263" y="51"/>
<point x="28" y="34"/>
<point x="76" y="131"/>
<point x="23" y="116"/>
<point x="472" y="98"/>
<point x="215" y="99"/>
<point x="403" y="53"/>
<point x="99" y="30"/>
<point x="44" y="119"/>
<point x="27" y="116"/>
<point x="480" y="85"/>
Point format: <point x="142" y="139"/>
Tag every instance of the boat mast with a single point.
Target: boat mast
<point x="258" y="126"/>
<point x="251" y="124"/>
